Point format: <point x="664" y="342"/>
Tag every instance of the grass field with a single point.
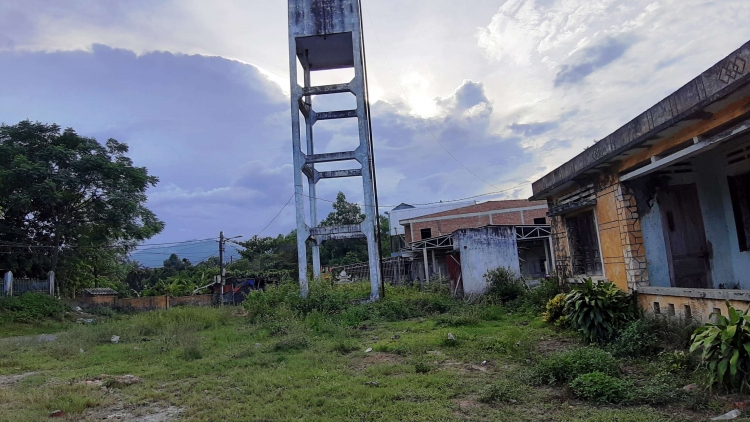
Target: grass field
<point x="206" y="364"/>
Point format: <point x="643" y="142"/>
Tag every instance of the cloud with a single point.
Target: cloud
<point x="591" y="59"/>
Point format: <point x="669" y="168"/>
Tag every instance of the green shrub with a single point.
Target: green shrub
<point x="346" y="346"/>
<point x="503" y="391"/>
<point x="536" y="299"/>
<point x="656" y="393"/>
<point x="598" y="310"/>
<point x="503" y="285"/>
<point x="725" y="349"/>
<point x="639" y="338"/>
<point x="677" y="361"/>
<point x="562" y="367"/>
<point x="30" y="307"/>
<point x="422" y="367"/>
<point x="291" y="344"/>
<point x="555" y="310"/>
<point x="600" y="387"/>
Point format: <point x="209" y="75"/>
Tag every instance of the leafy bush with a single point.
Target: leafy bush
<point x="725" y="347"/>
<point x="503" y="391"/>
<point x="600" y="387"/>
<point x="422" y="367"/>
<point x="598" y="310"/>
<point x="30" y="307"/>
<point x="537" y="298"/>
<point x="291" y="344"/>
<point x="346" y="346"/>
<point x="555" y="310"/>
<point x="639" y="338"/>
<point x="504" y="285"/>
<point x="564" y="366"/>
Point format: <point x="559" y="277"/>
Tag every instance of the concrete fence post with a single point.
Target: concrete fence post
<point x="9" y="283"/>
<point x="51" y="280"/>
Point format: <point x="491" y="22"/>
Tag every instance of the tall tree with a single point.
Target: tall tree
<point x="61" y="192"/>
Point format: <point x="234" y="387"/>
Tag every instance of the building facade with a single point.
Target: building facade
<point x="510" y="212"/>
<point x="661" y="206"/>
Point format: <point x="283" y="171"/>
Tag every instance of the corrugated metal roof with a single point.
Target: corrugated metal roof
<point x="395" y="216"/>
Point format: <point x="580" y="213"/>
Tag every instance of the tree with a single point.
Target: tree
<point x="343" y="213"/>
<point x="271" y="253"/>
<point x="63" y="195"/>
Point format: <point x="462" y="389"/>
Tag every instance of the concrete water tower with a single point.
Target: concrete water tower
<point x="326" y="35"/>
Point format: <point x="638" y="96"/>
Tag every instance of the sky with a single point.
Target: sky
<point x="468" y="97"/>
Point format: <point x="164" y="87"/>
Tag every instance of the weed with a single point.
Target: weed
<point x="565" y="366"/>
<point x="291" y="344"/>
<point x="639" y="338"/>
<point x="503" y="391"/>
<point x="504" y="285"/>
<point x="422" y="367"/>
<point x="455" y="320"/>
<point x="30" y="307"/>
<point x="600" y="387"/>
<point x="346" y="346"/>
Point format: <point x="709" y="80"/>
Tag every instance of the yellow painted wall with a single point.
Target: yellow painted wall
<point x="700" y="309"/>
<point x="610" y="240"/>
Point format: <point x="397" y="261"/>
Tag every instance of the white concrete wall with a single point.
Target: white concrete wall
<point x="483" y="249"/>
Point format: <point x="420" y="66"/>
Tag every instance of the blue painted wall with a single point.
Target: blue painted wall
<point x="656" y="252"/>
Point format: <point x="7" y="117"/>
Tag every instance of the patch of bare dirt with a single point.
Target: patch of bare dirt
<point x="379" y="358"/>
<point x="151" y="413"/>
<point x="7" y="380"/>
<point x="555" y="345"/>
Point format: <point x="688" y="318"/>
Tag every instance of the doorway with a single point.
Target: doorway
<point x="685" y="237"/>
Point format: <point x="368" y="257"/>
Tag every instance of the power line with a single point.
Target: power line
<point x="439" y="202"/>
<point x="406" y="97"/>
<point x="277" y="215"/>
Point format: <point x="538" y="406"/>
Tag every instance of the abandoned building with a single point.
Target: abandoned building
<point x="661" y="206"/>
<point x="406" y="211"/>
<point x="462" y="244"/>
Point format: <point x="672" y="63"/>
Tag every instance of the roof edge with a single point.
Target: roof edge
<point x="726" y="76"/>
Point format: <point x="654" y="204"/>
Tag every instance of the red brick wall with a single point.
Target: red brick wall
<point x="447" y="226"/>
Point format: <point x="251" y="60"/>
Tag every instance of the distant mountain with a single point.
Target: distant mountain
<point x="154" y="256"/>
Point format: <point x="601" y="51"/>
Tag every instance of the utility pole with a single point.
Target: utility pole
<point x="221" y="266"/>
<point x="222" y="271"/>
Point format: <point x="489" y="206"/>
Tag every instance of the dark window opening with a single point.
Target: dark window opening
<point x="540" y="221"/>
<point x="739" y="190"/>
<point x="425" y="233"/>
<point x="584" y="244"/>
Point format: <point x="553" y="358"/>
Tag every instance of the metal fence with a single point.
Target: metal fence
<point x="18" y="286"/>
<point x="394" y="271"/>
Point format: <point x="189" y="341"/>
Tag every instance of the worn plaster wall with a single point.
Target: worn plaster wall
<point x="483" y="249"/>
<point x="653" y="240"/>
<point x="709" y="180"/>
<point x="691" y="304"/>
<point x="608" y="222"/>
<point x="560" y="247"/>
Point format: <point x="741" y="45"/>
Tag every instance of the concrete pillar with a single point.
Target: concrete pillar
<point x="324" y="36"/>
<point x="51" y="280"/>
<point x="426" y="265"/>
<point x="8" y="283"/>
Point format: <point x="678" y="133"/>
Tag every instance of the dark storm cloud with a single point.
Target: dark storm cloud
<point x="217" y="134"/>
<point x="591" y="59"/>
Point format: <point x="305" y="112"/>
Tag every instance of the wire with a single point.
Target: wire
<point x="440" y="202"/>
<point x="406" y="97"/>
<point x="277" y="216"/>
<point x="147" y="245"/>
